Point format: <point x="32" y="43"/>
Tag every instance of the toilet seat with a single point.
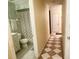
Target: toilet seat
<point x="23" y="41"/>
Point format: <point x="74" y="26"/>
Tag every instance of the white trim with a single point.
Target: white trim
<point x="32" y="18"/>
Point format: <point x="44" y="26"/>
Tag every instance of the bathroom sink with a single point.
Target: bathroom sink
<point x="13" y="33"/>
<point x="16" y="38"/>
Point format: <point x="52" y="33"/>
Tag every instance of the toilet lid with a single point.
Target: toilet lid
<point x="24" y="40"/>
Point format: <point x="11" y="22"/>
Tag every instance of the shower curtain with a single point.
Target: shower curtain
<point x="25" y="24"/>
<point x="13" y="25"/>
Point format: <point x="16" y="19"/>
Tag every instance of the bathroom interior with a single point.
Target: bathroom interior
<point x="21" y="31"/>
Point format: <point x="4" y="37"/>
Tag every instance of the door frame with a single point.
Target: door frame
<point x="50" y="21"/>
<point x="11" y="51"/>
<point x="12" y="54"/>
<point x="65" y="18"/>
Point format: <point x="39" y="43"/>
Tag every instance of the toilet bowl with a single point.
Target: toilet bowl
<point x="24" y="43"/>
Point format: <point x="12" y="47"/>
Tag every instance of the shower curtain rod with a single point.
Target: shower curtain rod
<point x="23" y="9"/>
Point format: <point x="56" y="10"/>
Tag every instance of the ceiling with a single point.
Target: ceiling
<point x="55" y="1"/>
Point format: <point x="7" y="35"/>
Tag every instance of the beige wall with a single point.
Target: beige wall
<point x="41" y="24"/>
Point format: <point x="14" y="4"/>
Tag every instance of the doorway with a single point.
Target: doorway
<point x="21" y="31"/>
<point x="56" y="18"/>
<point x="50" y="21"/>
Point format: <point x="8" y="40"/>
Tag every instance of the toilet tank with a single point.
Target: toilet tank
<point x="19" y="35"/>
<point x="16" y="39"/>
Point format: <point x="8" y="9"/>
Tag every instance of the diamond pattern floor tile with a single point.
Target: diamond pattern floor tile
<point x="51" y="39"/>
<point x="50" y="42"/>
<point x="52" y="36"/>
<point x="45" y="56"/>
<point x="56" y="56"/>
<point x="57" y="42"/>
<point x="49" y="45"/>
<point x="53" y="48"/>
<point x="57" y="39"/>
<point x="58" y="36"/>
<point x="57" y="50"/>
<point x="48" y="49"/>
<point x="57" y="45"/>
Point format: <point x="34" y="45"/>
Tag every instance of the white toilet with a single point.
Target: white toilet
<point x="24" y="43"/>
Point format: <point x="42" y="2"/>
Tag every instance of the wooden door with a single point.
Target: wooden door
<point x="56" y="18"/>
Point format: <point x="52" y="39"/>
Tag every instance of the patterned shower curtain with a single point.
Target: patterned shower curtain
<point x="13" y="25"/>
<point x="25" y="24"/>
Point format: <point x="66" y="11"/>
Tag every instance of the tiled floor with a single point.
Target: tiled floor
<point x="53" y="48"/>
<point x="29" y="55"/>
<point x="26" y="53"/>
